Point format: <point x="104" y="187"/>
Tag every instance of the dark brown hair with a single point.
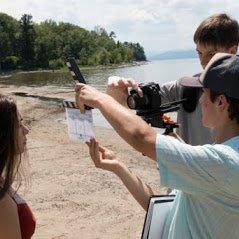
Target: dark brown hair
<point x="233" y="110"/>
<point x="9" y="128"/>
<point x="218" y="30"/>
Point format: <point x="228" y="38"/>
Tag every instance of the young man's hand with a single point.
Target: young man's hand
<point x="102" y="157"/>
<point x="87" y="95"/>
<point x="119" y="90"/>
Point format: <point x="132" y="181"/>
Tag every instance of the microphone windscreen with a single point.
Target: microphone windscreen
<point x="192" y="96"/>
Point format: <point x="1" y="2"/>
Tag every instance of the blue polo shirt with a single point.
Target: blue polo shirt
<point x="207" y="177"/>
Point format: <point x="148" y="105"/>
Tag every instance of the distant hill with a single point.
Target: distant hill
<point x="177" y="54"/>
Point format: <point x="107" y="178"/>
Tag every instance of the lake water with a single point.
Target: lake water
<point x="157" y="71"/>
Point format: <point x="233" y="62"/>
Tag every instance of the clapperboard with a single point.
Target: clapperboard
<point x="158" y="210"/>
<point x="80" y="126"/>
<point x="74" y="70"/>
<point x="76" y="73"/>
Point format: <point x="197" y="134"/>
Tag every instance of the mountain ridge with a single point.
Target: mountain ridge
<point x="174" y="54"/>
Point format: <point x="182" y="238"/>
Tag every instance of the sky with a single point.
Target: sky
<point x="158" y="25"/>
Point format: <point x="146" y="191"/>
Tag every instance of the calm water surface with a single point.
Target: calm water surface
<point x="156" y="71"/>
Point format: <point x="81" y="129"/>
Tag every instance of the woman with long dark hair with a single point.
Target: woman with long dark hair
<point x="16" y="218"/>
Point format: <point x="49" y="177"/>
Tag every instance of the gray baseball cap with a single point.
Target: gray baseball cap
<point x="221" y="75"/>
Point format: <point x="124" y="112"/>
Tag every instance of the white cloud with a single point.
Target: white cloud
<point x="145" y="16"/>
<point x="158" y="25"/>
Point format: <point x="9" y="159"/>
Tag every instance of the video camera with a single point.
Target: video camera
<point x="149" y="106"/>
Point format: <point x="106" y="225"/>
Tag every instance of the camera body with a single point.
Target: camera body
<point x="149" y="106"/>
<point x="151" y="97"/>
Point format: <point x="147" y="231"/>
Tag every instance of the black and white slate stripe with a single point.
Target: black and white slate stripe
<point x="69" y="104"/>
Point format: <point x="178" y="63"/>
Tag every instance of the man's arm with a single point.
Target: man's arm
<point x="170" y="91"/>
<point x="129" y="126"/>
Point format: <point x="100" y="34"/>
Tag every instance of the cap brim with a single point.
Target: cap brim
<point x="190" y="82"/>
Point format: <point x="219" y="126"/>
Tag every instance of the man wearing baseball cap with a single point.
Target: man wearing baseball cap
<point x="220" y="75"/>
<point x="207" y="176"/>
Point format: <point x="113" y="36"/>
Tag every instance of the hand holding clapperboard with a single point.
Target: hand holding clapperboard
<point x="80" y="126"/>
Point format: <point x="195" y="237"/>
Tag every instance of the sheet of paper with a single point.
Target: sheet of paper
<point x="80" y="126"/>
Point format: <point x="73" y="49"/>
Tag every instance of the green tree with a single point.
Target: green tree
<point x="25" y="44"/>
<point x="56" y="64"/>
<point x="103" y="56"/>
<point x="116" y="56"/>
<point x="138" y="51"/>
<point x="47" y="43"/>
<point x="27" y="41"/>
<point x="112" y="35"/>
<point x="10" y="63"/>
<point x="5" y="47"/>
<point x="8" y="37"/>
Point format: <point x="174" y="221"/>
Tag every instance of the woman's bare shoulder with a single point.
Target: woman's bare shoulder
<point x="9" y="222"/>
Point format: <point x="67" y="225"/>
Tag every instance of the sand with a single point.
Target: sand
<point x="68" y="195"/>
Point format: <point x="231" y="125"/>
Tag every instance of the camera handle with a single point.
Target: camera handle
<point x="169" y="128"/>
<point x="155" y="117"/>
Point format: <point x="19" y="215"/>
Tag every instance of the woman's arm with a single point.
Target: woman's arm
<point x="107" y="160"/>
<point x="139" y="190"/>
<point x="9" y="222"/>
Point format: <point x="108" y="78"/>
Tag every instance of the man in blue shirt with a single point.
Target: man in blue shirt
<point x="207" y="204"/>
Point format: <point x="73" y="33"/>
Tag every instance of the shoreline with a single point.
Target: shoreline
<point x="65" y="69"/>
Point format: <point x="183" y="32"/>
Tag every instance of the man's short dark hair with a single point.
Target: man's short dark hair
<point x="218" y="30"/>
<point x="233" y="109"/>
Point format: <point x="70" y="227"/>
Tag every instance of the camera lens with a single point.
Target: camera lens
<point x="131" y="102"/>
<point x="136" y="102"/>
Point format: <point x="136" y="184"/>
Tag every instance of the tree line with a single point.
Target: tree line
<point x="28" y="45"/>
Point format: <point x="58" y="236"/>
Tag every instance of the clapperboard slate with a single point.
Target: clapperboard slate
<point x="80" y="126"/>
<point x="158" y="209"/>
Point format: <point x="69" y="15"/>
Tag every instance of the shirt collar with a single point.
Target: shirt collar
<point x="233" y="143"/>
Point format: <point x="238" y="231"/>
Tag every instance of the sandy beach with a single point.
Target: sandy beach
<point x="69" y="196"/>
